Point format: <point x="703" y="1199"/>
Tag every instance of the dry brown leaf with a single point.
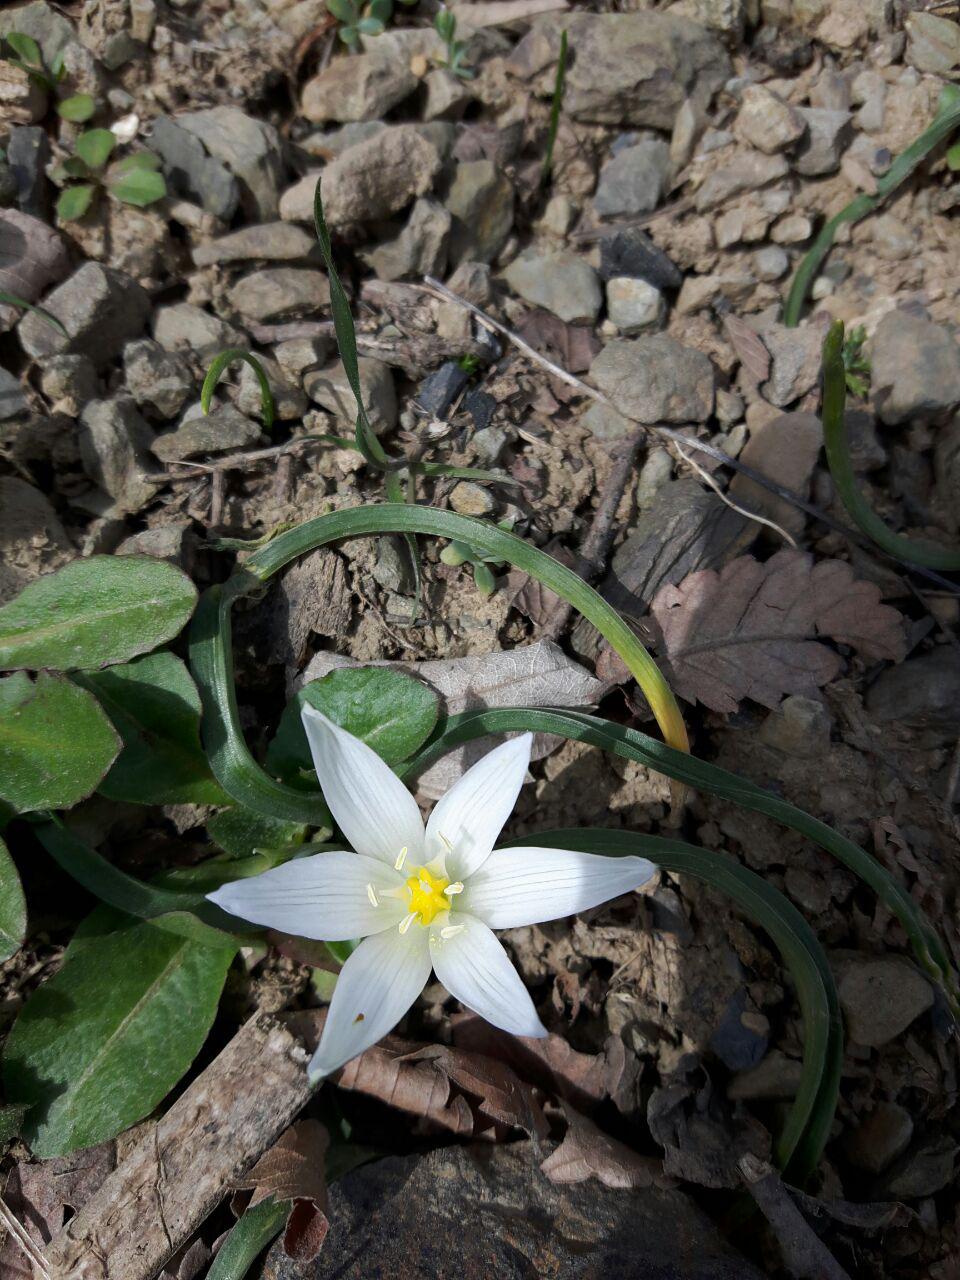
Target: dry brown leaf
<point x="532" y="598"/>
<point x="749" y="346"/>
<point x="573" y="346"/>
<point x="588" y="1152"/>
<point x="751" y="630"/>
<point x="294" y="1169"/>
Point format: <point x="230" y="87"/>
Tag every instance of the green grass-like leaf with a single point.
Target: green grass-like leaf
<point x="555" y="108"/>
<point x="220" y="365"/>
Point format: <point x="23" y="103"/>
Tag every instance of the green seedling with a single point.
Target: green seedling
<point x="135" y="179"/>
<point x="458" y="553"/>
<point x="445" y="25"/>
<point x="26" y="54"/>
<point x="358" y="20"/>
<point x="855" y="363"/>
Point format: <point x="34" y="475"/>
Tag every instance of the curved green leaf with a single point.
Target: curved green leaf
<point x="25" y="47"/>
<point x="95" y="147"/>
<point x="242" y="832"/>
<point x="56" y="743"/>
<point x="138" y="187"/>
<point x="14" y="300"/>
<point x="216" y="372"/>
<point x="13" y="909"/>
<point x="248" y="1238"/>
<point x="77" y="108"/>
<point x="104" y="1040"/>
<point x="96" y="612"/>
<point x="74" y="202"/>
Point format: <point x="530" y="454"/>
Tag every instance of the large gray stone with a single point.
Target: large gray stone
<point x="655" y="379"/>
<point x="114" y="440"/>
<point x="100" y="309"/>
<point x="12" y="397"/>
<point x="407" y="1216"/>
<point x="916" y="368"/>
<point x="215" y="432"/>
<point x="183" y="326"/>
<point x="633" y="180"/>
<point x="560" y="282"/>
<point x="921" y="694"/>
<point x="157" y="379"/>
<point x="329" y="387"/>
<point x="364" y="87"/>
<point x="827" y="137"/>
<point x="419" y="249"/>
<point x="32" y="258"/>
<point x="32" y="539"/>
<point x="784" y="450"/>
<point x="280" y="293"/>
<point x="269" y="241"/>
<point x="192" y="172"/>
<point x="481" y="201"/>
<point x="376" y="178"/>
<point x="249" y="148"/>
<point x="880" y="997"/>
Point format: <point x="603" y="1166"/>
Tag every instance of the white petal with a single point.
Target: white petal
<point x="323" y="896"/>
<point x="529" y="885"/>
<point x="474" y="967"/>
<point x="376" y="987"/>
<point x="372" y="807"/>
<point x="468" y="819"/>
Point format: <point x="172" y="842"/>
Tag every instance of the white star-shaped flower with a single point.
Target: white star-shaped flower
<point x="421" y="898"/>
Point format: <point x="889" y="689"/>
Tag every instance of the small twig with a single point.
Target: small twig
<point x="804" y="1253"/>
<point x="218" y="492"/>
<point x="680" y="205"/>
<point x="231" y="462"/>
<point x="25" y="1241"/>
<point x="708" y="479"/>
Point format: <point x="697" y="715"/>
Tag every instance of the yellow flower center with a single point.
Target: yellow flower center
<point x="427" y="895"/>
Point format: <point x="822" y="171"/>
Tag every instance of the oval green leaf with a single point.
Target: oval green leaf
<point x="242" y="832"/>
<point x="138" y="187"/>
<point x="25" y="47"/>
<point x="388" y="710"/>
<point x="56" y="743"/>
<point x="74" y="202"/>
<point x="94" y="613"/>
<point x="95" y="146"/>
<point x="104" y="1040"/>
<point x="13" y="910"/>
<point x="77" y="108"/>
<point x="155" y="706"/>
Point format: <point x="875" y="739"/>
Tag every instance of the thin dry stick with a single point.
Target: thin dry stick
<point x="804" y="1253"/>
<point x="23" y="1238"/>
<point x="232" y="462"/>
<point x="707" y="478"/>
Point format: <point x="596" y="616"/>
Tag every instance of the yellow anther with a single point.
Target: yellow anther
<point x="456" y="887"/>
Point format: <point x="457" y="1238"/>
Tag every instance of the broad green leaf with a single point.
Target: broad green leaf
<point x="139" y="160"/>
<point x="138" y="187"/>
<point x="390" y="711"/>
<point x="95" y="146"/>
<point x="25" y="47"/>
<point x="104" y="1040"/>
<point x="77" y="108"/>
<point x="380" y="10"/>
<point x="241" y="832"/>
<point x="13" y="914"/>
<point x="56" y="743"/>
<point x="370" y="27"/>
<point x="74" y="202"/>
<point x="344" y="10"/>
<point x="72" y="167"/>
<point x="155" y="706"/>
<point x="93" y="613"/>
<point x="953" y="156"/>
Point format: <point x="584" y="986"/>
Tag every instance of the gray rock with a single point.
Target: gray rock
<point x="745" y="172"/>
<point x="392" y="569"/>
<point x="386" y="1213"/>
<point x="785" y="450"/>
<point x="775" y="1079"/>
<point x="631" y="252"/>
<point x="828" y="135"/>
<point x="633" y="305"/>
<point x="185" y="327"/>
<point x="922" y="694"/>
<point x="933" y="43"/>
<point x="332" y="143"/>
<point x="32" y="539"/>
<point x="866" y="449"/>
<point x="28" y="154"/>
<point x="296" y="203"/>
<point x="469" y="499"/>
<point x="158" y="379"/>
<point x="767" y="122"/>
<point x="251" y="151"/>
<point x="175" y="542"/>
<point x="481" y="407"/>
<point x="561" y="282"/>
<point x="795" y="359"/>
<point x="114" y="440"/>
<point x="378" y="177"/>
<point x="922" y="1172"/>
<point x="771" y="263"/>
<point x="419" y="249"/>
<point x="438" y="391"/>
<point x="192" y="172"/>
<point x="916" y="368"/>
<point x="481" y="201"/>
<point x="12" y="398"/>
<point x="741" y="1038"/>
<point x="799" y="727"/>
<point x="271" y="241"/>
<point x="8" y="185"/>
<point x="879" y="1139"/>
<point x="655" y="379"/>
<point x="474" y="282"/>
<point x="100" y="309"/>
<point x="447" y="95"/>
<point x="47" y="25"/>
<point x="280" y="293"/>
<point x="364" y="87"/>
<point x="604" y="423"/>
<point x="880" y="997"/>
<point x="297" y="355"/>
<point x="633" y="181"/>
<point x="636" y="68"/>
<point x="215" y="432"/>
<point x="489" y="442"/>
<point x="32" y="257"/>
<point x="69" y="381"/>
<point x="290" y="402"/>
<point x="329" y="388"/>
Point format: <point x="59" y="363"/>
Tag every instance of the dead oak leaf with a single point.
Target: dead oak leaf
<point x="753" y="630"/>
<point x="294" y="1169"/>
<point x="588" y="1152"/>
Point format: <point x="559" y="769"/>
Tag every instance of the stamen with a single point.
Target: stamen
<point x="401" y="859"/>
<point x="445" y="841"/>
<point x="456" y="887"/>
<point x="407" y="921"/>
<point x="451" y="930"/>
<point x="372" y="895"/>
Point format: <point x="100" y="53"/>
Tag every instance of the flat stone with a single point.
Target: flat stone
<point x="828" y="135"/>
<point x="879" y="1139"/>
<point x="438" y="391"/>
<point x="12" y="397"/>
<point x="297" y="355"/>
<point x="767" y="122"/>
<point x="192" y="172"/>
<point x="388" y="1212"/>
<point x="922" y="694"/>
<point x="296" y="203"/>
<point x="784" y="449"/>
<point x="561" y="282"/>
<point x="280" y="293"/>
<point x="775" y="1079"/>
<point x="175" y="542"/>
<point x="100" y="309"/>
<point x="916" y="368"/>
<point x="376" y="178"/>
<point x="771" y="263"/>
<point x="420" y="249"/>
<point x="469" y="499"/>
<point x="182" y="326"/>
<point x="271" y="241"/>
<point x="933" y="43"/>
<point x="480" y="199"/>
<point x="792" y="229"/>
<point x="604" y="423"/>
<point x="32" y="539"/>
<point x="795" y="360"/>
<point x="634" y="305"/>
<point x="633" y="180"/>
<point x="655" y="379"/>
<point x="745" y="172"/>
<point x="880" y="997"/>
<point x="329" y="388"/>
<point x="33" y="257"/>
<point x="249" y="148"/>
<point x="159" y="380"/>
<point x="364" y="87"/>
<point x="69" y="382"/>
<point x="114" y="440"/>
<point x="28" y="154"/>
<point x="631" y="252"/>
<point x="800" y="727"/>
<point x="215" y="432"/>
<point x="447" y="95"/>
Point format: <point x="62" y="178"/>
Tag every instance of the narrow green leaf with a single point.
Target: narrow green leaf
<point x="14" y="300"/>
<point x="555" y="107"/>
<point x="388" y="710"/>
<point x="13" y="912"/>
<point x="95" y="147"/>
<point x="104" y="1040"/>
<point x="219" y="366"/>
<point x="138" y="187"/>
<point x="248" y="1239"/>
<point x="55" y="742"/>
<point x="25" y="47"/>
<point x="155" y="705"/>
<point x="95" y="612"/>
<point x="74" y="202"/>
<point x="77" y="108"/>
